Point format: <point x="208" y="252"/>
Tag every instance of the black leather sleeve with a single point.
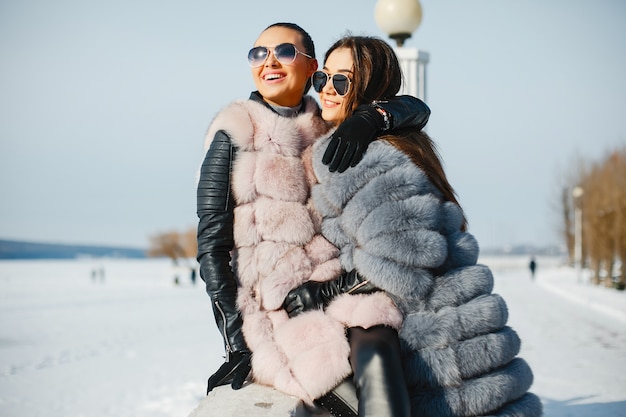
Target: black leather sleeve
<point x="406" y="111"/>
<point x="215" y="207"/>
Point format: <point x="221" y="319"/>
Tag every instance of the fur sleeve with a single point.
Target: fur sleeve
<point x="390" y="222"/>
<point x="235" y="120"/>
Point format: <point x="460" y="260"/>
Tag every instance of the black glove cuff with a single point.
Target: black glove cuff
<point x="371" y="114"/>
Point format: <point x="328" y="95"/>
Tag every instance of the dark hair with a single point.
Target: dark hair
<point x="307" y="41"/>
<point x="422" y="150"/>
<point x="377" y="76"/>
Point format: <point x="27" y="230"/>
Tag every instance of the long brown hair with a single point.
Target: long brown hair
<point x="377" y="76"/>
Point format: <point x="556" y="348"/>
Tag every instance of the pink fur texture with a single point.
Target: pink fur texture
<point x="305" y="356"/>
<point x="365" y="310"/>
<point x="317" y="350"/>
<point x="279" y="247"/>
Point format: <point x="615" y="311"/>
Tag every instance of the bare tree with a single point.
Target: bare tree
<point x="603" y="205"/>
<point x="189" y="242"/>
<point x="567" y="229"/>
<point x="175" y="245"/>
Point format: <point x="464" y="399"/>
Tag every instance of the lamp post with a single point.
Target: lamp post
<point x="399" y="19"/>
<point x="577" y="193"/>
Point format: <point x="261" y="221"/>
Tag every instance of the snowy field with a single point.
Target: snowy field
<point x="134" y="344"/>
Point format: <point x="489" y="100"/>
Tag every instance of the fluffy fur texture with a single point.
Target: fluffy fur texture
<point x="279" y="247"/>
<point x="394" y="229"/>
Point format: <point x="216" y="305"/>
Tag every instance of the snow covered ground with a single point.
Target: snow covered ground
<point x="134" y="344"/>
<point x="573" y="336"/>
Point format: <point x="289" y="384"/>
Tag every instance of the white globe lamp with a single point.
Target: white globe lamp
<point x="398" y="18"/>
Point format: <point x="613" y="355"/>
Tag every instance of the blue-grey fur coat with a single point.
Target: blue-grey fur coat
<point x="391" y="225"/>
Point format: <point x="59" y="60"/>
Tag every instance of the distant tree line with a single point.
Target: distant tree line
<point x="595" y="198"/>
<point x="13" y="249"/>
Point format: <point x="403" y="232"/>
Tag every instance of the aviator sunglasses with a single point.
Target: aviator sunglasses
<point x="341" y="82"/>
<point x="285" y="53"/>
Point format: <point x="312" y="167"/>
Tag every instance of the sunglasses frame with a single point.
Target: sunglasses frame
<point x="278" y="58"/>
<point x="330" y="77"/>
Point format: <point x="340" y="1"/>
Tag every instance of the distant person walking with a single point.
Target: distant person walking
<point x="532" y="266"/>
<point x="193" y="276"/>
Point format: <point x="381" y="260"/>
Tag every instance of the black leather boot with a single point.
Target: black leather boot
<point x="377" y="387"/>
<point x="341" y="401"/>
<point x="378" y="375"/>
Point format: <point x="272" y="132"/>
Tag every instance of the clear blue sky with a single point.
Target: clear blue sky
<point x="104" y="105"/>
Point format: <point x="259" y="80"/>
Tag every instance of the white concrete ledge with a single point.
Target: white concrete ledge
<point x="253" y="400"/>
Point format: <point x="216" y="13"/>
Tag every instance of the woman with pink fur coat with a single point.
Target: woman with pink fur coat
<point x="258" y="235"/>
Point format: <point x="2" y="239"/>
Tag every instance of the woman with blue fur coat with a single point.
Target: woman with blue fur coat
<point x="401" y="231"/>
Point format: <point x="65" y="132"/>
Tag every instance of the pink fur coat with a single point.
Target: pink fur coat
<point x="279" y="246"/>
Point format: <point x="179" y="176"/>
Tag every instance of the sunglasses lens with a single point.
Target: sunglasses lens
<point x="285" y="53"/>
<point x="319" y="80"/>
<point x="257" y="56"/>
<point x="341" y="84"/>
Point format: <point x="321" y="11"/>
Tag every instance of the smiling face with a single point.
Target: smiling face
<point x="333" y="105"/>
<point x="282" y="84"/>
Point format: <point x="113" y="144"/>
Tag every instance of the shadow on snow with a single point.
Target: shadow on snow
<point x="572" y="408"/>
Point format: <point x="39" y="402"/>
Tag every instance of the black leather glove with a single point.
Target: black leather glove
<point x="353" y="136"/>
<point x="234" y="371"/>
<point x="350" y="141"/>
<point x="307" y="296"/>
<point x="312" y="295"/>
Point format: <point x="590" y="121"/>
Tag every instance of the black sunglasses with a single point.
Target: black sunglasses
<point x="341" y="82"/>
<point x="285" y="53"/>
